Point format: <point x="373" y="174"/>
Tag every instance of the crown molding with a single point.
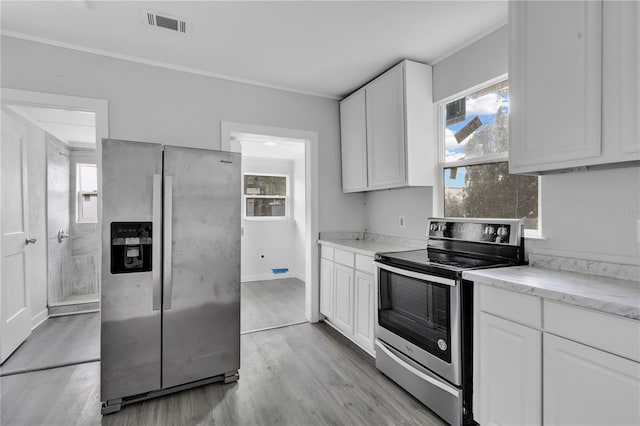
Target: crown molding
<point x="159" y="64"/>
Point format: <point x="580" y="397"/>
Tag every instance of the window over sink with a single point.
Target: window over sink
<point x="474" y="152"/>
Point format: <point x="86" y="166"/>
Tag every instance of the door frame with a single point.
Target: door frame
<point x="51" y="100"/>
<point x="310" y="138"/>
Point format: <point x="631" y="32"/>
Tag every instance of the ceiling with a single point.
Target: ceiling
<point x="75" y="128"/>
<point x="325" y="48"/>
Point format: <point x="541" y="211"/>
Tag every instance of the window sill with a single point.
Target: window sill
<point x="534" y="235"/>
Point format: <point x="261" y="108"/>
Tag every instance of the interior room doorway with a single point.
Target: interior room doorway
<point x="61" y="253"/>
<point x="279" y="199"/>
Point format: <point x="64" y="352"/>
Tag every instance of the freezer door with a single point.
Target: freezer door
<point x="130" y="302"/>
<point x="201" y="294"/>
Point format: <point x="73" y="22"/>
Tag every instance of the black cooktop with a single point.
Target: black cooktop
<point x="441" y="263"/>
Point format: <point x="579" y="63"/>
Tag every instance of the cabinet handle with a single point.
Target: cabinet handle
<point x="30" y="241"/>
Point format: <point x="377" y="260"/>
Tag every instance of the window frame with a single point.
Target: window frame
<point x="286" y="198"/>
<point x="80" y="193"/>
<point x="438" y="189"/>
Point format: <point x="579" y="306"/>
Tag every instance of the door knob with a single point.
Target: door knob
<point x="62" y="235"/>
<point x="30" y="241"/>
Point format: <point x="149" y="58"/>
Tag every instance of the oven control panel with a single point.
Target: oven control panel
<point x="496" y="231"/>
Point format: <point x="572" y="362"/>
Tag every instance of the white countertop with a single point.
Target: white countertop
<point x="365" y="247"/>
<point x="611" y="295"/>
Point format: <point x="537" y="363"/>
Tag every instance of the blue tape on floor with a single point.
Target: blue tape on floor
<point x="280" y="270"/>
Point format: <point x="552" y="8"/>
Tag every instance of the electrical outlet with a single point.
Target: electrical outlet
<point x="401" y="221"/>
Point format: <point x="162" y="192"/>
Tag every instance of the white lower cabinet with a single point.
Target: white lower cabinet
<point x="587" y="386"/>
<point x="348" y="295"/>
<point x="364" y="309"/>
<point x="567" y="366"/>
<point x="343" y="297"/>
<point x="326" y="288"/>
<point x="510" y="372"/>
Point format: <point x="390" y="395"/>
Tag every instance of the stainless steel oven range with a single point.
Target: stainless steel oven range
<point x="424" y="327"/>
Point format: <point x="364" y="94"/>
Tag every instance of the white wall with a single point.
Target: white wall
<point x="158" y="105"/>
<point x="273" y="239"/>
<point x="480" y="61"/>
<point x="385" y="207"/>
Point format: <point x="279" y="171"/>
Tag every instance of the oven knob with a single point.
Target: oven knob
<point x="489" y="230"/>
<point x="434" y="227"/>
<point x="502" y="231"/>
<point x="442" y="345"/>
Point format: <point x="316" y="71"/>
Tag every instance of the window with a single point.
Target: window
<point x="474" y="166"/>
<point x="266" y="196"/>
<point x="87" y="193"/>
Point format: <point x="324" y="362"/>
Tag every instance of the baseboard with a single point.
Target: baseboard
<point x="301" y="277"/>
<point x="266" y="277"/>
<point x="39" y="318"/>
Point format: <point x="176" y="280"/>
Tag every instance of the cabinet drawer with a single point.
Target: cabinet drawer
<point x="617" y="335"/>
<point x="326" y="252"/>
<point x="364" y="263"/>
<point x="343" y="257"/>
<point x="507" y="304"/>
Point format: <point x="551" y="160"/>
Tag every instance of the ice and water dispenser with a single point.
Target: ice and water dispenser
<point x="130" y="247"/>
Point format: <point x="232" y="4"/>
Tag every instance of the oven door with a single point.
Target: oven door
<point x="419" y="315"/>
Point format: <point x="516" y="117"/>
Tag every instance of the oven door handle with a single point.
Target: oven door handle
<point x="415" y="371"/>
<point x="416" y="275"/>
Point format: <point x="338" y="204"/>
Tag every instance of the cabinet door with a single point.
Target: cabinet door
<point x="353" y="135"/>
<point x="343" y="301"/>
<point x="555" y="84"/>
<point x="510" y="373"/>
<point x="326" y="288"/>
<point x="385" y="130"/>
<point x="364" y="309"/>
<point x="587" y="386"/>
<point x="621" y="80"/>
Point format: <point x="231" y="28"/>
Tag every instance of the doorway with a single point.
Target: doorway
<point x="273" y="232"/>
<point x="62" y="295"/>
<point x="278" y="260"/>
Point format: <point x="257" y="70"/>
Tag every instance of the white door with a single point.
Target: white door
<point x="510" y="373"/>
<point x="15" y="311"/>
<point x="343" y="293"/>
<point x="587" y="386"/>
<point x="363" y="316"/>
<point x="353" y="135"/>
<point x="385" y="130"/>
<point x="326" y="288"/>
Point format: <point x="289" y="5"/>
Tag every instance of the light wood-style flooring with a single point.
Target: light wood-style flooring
<point x="59" y="341"/>
<point x="306" y="374"/>
<point x="271" y="303"/>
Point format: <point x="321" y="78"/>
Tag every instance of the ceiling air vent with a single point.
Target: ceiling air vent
<point x="157" y="20"/>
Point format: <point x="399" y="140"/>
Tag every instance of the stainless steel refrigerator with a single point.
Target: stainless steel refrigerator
<point x="170" y="270"/>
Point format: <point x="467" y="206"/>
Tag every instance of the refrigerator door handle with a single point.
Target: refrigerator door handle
<point x="167" y="283"/>
<point x="156" y="240"/>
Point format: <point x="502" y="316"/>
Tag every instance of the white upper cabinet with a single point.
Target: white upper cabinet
<point x="573" y="76"/>
<point x="387" y="131"/>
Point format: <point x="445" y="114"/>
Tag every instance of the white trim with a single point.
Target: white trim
<point x="159" y="64"/>
<point x="310" y="138"/>
<point x="39" y="318"/>
<point x="98" y="106"/>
